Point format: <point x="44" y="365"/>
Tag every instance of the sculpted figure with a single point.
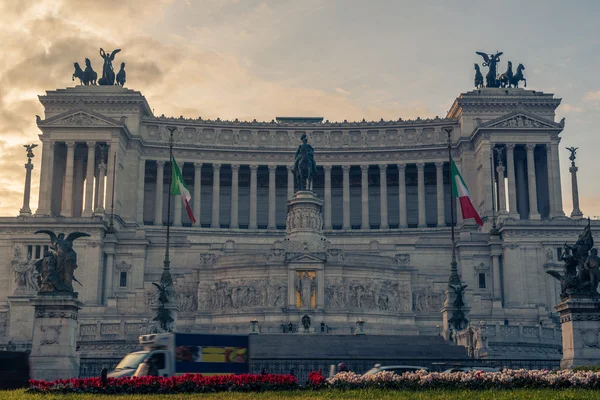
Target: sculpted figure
<point x="121" y="75"/>
<point x="304" y="165"/>
<point x="478" y="81"/>
<point x="507" y="76"/>
<point x="592" y="269"/>
<point x="59" y="263"/>
<point x="108" y="74"/>
<point x="78" y="73"/>
<point x="491" y="61"/>
<point x="304" y="285"/>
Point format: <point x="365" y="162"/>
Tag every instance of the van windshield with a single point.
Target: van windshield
<point x="132" y="361"/>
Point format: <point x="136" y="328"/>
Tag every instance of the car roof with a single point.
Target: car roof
<point x="400" y="366"/>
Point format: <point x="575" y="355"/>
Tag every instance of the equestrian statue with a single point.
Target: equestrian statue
<point x="478" y="77"/>
<point x="507" y="76"/>
<point x="304" y="165"/>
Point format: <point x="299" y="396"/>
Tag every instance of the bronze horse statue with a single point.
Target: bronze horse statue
<point x="121" y="76"/>
<point x="478" y="77"/>
<point x="78" y="73"/>
<point x="518" y="76"/>
<point x="89" y="75"/>
<point x="507" y="76"/>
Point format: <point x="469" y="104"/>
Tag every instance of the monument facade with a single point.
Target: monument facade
<point x="370" y="219"/>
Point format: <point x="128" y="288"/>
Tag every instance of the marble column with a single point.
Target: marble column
<point x="550" y="170"/>
<point x="487" y="173"/>
<point x="197" y="192"/>
<point x="235" y="169"/>
<point x="100" y="193"/>
<point x="216" y="192"/>
<point x="402" y="195"/>
<point x="110" y="271"/>
<point x="272" y="198"/>
<point x="45" y="186"/>
<point x="78" y="184"/>
<point x="383" y="196"/>
<point x="512" y="181"/>
<point x="110" y="171"/>
<point x="459" y="217"/>
<point x="253" y="184"/>
<point x="327" y="171"/>
<point x="290" y="181"/>
<point x="421" y="194"/>
<point x="559" y="212"/>
<point x="89" y="180"/>
<point x="439" y="180"/>
<point x="531" y="182"/>
<point x="158" y="203"/>
<point x="522" y="188"/>
<point x="67" y="210"/>
<point x="141" y="190"/>
<point x="501" y="191"/>
<point x="496" y="277"/>
<point x="576" y="213"/>
<point x="346" y="196"/>
<point x="364" y="169"/>
<point x="176" y="200"/>
<point x="25" y="210"/>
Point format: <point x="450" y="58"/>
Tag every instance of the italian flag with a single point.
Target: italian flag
<point x="460" y="190"/>
<point x="178" y="187"/>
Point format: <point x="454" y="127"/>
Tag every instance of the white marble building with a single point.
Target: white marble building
<point x="385" y="252"/>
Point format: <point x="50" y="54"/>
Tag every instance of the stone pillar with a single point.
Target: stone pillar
<point x="290" y="181"/>
<point x="216" y="196"/>
<point x="576" y="213"/>
<point x="253" y="173"/>
<point x="496" y="276"/>
<point x="512" y="181"/>
<point x="327" y="170"/>
<point x="67" y="210"/>
<point x="272" y="198"/>
<point x="100" y="193"/>
<point x="364" y="169"/>
<point x="197" y="191"/>
<point x="557" y="186"/>
<point x="496" y="252"/>
<point x="531" y="183"/>
<point x="459" y="217"/>
<point x="110" y="244"/>
<point x="580" y="323"/>
<point x="235" y="169"/>
<point x="158" y="203"/>
<point x="402" y="195"/>
<point x="25" y="210"/>
<point x="522" y="188"/>
<point x="346" y="196"/>
<point x="78" y="188"/>
<point x="439" y="180"/>
<point x="549" y="167"/>
<point x="488" y="194"/>
<point x="501" y="193"/>
<point x="176" y="200"/>
<point x="55" y="328"/>
<point x="46" y="171"/>
<point x="421" y="194"/>
<point x="383" y="196"/>
<point x="110" y="186"/>
<point x="89" y="180"/>
<point x="141" y="191"/>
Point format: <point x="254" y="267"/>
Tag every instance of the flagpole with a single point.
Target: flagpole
<point x="166" y="278"/>
<point x="454" y="278"/>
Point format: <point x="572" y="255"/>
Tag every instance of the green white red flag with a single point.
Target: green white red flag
<point x="178" y="187"/>
<point x="460" y="190"/>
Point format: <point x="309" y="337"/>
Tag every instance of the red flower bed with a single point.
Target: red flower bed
<point x="189" y="383"/>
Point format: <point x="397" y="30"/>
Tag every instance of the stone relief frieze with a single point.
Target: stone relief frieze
<point x="520" y="121"/>
<point x="402" y="259"/>
<point x="80" y="119"/>
<point x="207" y="258"/>
<point x="306" y="218"/>
<point x="3" y="323"/>
<point x="335" y="255"/>
<point x="368" y="294"/>
<point x="50" y="334"/>
<point x="186" y="296"/>
<point x="428" y="300"/>
<point x="238" y="294"/>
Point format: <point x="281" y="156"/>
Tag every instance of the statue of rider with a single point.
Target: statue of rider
<point x="304" y="159"/>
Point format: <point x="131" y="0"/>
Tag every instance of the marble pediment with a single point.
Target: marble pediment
<point x="305" y="258"/>
<point x="520" y="120"/>
<point x="79" y="118"/>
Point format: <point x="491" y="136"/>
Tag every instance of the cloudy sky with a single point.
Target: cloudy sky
<point x="340" y="60"/>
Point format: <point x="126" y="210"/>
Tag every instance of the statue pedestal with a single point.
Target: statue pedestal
<point x="55" y="329"/>
<point x="580" y="323"/>
<point x="21" y="319"/>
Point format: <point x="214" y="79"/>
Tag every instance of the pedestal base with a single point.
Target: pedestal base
<point x="55" y="327"/>
<point x="580" y="322"/>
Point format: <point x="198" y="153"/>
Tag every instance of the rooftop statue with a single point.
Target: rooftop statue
<point x="59" y="262"/>
<point x="304" y="165"/>
<point x="108" y="73"/>
<point x="491" y="61"/>
<point x="582" y="267"/>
